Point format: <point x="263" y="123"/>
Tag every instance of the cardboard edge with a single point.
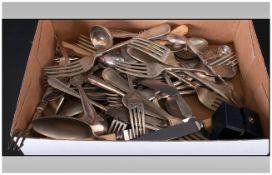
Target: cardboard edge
<point x="26" y="83"/>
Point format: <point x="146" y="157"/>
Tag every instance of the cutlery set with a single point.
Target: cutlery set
<point x="119" y="85"/>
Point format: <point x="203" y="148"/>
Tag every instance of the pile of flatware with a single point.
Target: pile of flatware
<point x="119" y="85"/>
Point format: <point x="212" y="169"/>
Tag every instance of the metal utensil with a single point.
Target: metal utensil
<point x="117" y="126"/>
<point x="57" y="84"/>
<point x="158" y="52"/>
<point x="207" y="97"/>
<point x="229" y="59"/>
<point x="101" y="38"/>
<point x="225" y="90"/>
<point x="71" y="110"/>
<point x="200" y="56"/>
<point x="151" y="33"/>
<point x="88" y="109"/>
<point x="77" y="49"/>
<point x="137" y="118"/>
<point x="186" y="127"/>
<point x="149" y="106"/>
<point x="224" y="50"/>
<point x="84" y="42"/>
<point x="224" y="71"/>
<point x="121" y="113"/>
<point x="147" y="68"/>
<point x="48" y="96"/>
<point x="71" y="69"/>
<point x="187" y="53"/>
<point x="117" y="81"/>
<point x="182" y="104"/>
<point x="62" y="127"/>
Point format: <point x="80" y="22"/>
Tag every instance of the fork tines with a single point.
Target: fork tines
<point x="134" y="69"/>
<point x="137" y="118"/>
<point x="215" y="102"/>
<point x="127" y="134"/>
<point x="153" y="49"/>
<point x="85" y="43"/>
<point x="14" y="140"/>
<point x="71" y="69"/>
<point x="230" y="59"/>
<point x="117" y="126"/>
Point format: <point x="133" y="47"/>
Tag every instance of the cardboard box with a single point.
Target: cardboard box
<point x="253" y="81"/>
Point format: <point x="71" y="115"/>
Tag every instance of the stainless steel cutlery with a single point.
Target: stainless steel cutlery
<point x="128" y="88"/>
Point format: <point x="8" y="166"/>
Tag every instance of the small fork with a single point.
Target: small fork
<point x="117" y="126"/>
<point x="208" y="98"/>
<point x="147" y="68"/>
<point x="157" y="51"/>
<point x="137" y="118"/>
<point x="85" y="43"/>
<point x="230" y="60"/>
<point x="71" y="69"/>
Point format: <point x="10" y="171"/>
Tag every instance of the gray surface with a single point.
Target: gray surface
<point x="130" y="11"/>
<point x="137" y="164"/>
<point x="136" y="10"/>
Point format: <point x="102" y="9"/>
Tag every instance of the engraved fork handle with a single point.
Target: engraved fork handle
<point x="151" y="33"/>
<point x="55" y="83"/>
<point x="88" y="109"/>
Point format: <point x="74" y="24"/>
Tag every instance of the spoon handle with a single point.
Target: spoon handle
<point x="149" y="106"/>
<point x="115" y="79"/>
<point x="191" y="69"/>
<point x="76" y="49"/>
<point x="88" y="109"/>
<point x="152" y="33"/>
<point x="198" y="53"/>
<point x="116" y="33"/>
<point x="155" y="32"/>
<point x="57" y="84"/>
<point x="222" y="90"/>
<point x="191" y="84"/>
<point x="182" y="104"/>
<point x="103" y="84"/>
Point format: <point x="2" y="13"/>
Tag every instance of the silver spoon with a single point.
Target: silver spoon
<point x="98" y="127"/>
<point x="101" y="38"/>
<point x="187" y="53"/>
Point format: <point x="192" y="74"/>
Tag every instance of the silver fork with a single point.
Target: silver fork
<point x="137" y="118"/>
<point x="230" y="60"/>
<point x="136" y="113"/>
<point x="157" y="51"/>
<point x="71" y="69"/>
<point x="208" y="98"/>
<point x="117" y="126"/>
<point x="85" y="43"/>
<point x="147" y="68"/>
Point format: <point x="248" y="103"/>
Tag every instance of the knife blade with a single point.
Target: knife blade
<point x="188" y="126"/>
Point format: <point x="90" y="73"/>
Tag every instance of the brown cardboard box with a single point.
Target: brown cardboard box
<point x="253" y="80"/>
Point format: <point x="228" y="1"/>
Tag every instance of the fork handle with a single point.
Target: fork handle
<point x="76" y="49"/>
<point x="153" y="32"/>
<point x="57" y="84"/>
<point x="191" y="84"/>
<point x="103" y="84"/>
<point x="190" y="69"/>
<point x="223" y="90"/>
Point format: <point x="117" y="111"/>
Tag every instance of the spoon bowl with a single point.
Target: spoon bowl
<point x="62" y="127"/>
<point x="101" y="38"/>
<point x="187" y="53"/>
